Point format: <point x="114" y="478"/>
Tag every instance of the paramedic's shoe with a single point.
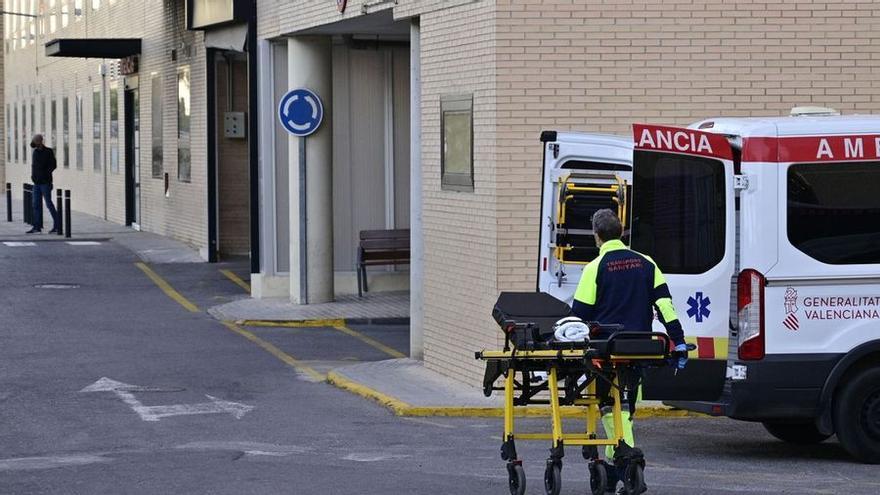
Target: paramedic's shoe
<point x="34" y="231"/>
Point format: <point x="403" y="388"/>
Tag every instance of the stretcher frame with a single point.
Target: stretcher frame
<point x="595" y="365"/>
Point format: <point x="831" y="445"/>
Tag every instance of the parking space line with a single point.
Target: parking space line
<point x="336" y="324"/>
<point x="166" y="288"/>
<point x="237" y="280"/>
<point x="278" y="353"/>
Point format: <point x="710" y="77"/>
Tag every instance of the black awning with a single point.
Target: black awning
<point x="93" y="47"/>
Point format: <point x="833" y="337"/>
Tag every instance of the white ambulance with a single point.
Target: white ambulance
<point x="768" y="230"/>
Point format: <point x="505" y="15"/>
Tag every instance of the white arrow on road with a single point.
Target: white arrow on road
<point x="154" y="413"/>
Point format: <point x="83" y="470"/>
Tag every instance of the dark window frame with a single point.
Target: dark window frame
<point x="456" y="181"/>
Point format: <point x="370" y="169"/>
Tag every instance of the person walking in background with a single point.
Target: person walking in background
<point x="42" y="165"/>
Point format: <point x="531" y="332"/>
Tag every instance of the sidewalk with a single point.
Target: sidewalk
<point x="151" y="248"/>
<point x="377" y="307"/>
<point x="407" y="388"/>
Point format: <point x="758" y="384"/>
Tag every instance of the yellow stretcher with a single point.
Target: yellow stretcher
<point x="588" y="374"/>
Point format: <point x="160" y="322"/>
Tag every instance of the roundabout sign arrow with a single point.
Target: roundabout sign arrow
<point x="300" y="112"/>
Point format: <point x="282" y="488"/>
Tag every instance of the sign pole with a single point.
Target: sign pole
<point x="303" y="227"/>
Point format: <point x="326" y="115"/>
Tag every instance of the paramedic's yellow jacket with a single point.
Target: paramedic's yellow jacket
<point x="622" y="287"/>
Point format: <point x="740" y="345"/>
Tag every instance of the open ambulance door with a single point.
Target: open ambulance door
<point x="582" y="173"/>
<point x="683" y="216"/>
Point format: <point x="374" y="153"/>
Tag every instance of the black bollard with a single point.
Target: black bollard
<point x="69" y="227"/>
<point x="8" y="202"/>
<point x="28" y="204"/>
<point x="60" y="208"/>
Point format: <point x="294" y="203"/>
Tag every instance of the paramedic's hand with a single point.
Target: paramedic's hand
<point x="681" y="362"/>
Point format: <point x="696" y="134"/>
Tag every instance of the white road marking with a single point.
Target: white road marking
<point x="125" y="392"/>
<point x="366" y="457"/>
<point x="29" y="463"/>
<point x="83" y="243"/>
<point x="249" y="448"/>
<point x="20" y="244"/>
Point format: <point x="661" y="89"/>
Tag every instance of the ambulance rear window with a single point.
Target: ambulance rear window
<point x="834" y="211"/>
<point x="678" y="212"/>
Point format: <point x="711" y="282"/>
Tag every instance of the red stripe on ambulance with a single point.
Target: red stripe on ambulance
<point x="705" y="348"/>
<point x="812" y="148"/>
<point x="680" y="140"/>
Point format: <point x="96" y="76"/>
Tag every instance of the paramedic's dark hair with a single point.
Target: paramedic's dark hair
<point x="606" y="225"/>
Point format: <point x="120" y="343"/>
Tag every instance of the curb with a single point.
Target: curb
<point x="323" y="322"/>
<point x="401" y="408"/>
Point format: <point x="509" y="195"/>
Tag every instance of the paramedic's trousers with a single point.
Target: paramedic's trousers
<point x="43" y="191"/>
<point x="630" y="379"/>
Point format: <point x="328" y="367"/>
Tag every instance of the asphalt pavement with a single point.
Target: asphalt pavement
<point x="200" y="408"/>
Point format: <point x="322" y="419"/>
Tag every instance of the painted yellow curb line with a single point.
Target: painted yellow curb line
<point x="236" y="280"/>
<point x="278" y="353"/>
<point x="166" y="288"/>
<point x="401" y="408"/>
<point x="335" y="323"/>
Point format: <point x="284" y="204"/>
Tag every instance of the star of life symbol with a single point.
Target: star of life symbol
<point x="698" y="307"/>
<point x="791" y="320"/>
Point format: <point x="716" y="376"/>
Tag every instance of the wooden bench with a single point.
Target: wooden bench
<point x="378" y="248"/>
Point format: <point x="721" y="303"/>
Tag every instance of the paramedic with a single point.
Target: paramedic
<point x="623" y="287"/>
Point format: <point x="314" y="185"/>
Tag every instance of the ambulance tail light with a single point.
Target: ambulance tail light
<point x="750" y="305"/>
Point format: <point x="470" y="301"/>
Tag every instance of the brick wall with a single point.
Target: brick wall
<point x="160" y="24"/>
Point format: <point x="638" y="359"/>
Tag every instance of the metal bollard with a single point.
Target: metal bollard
<point x="28" y="204"/>
<point x="8" y="202"/>
<point x="69" y="227"/>
<point x="59" y="194"/>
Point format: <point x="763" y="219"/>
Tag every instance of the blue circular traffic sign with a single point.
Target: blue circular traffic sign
<point x="300" y="112"/>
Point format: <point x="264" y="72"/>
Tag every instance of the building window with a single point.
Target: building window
<point x="834" y="211"/>
<point x="77" y="9"/>
<point x="24" y="132"/>
<point x="53" y="123"/>
<point x="114" y="128"/>
<point x="43" y="127"/>
<point x="79" y="131"/>
<point x="65" y="130"/>
<point x="157" y="124"/>
<point x="184" y="159"/>
<point x="8" y="135"/>
<point x="96" y="4"/>
<point x="65" y="13"/>
<point x="14" y="123"/>
<point x="457" y="140"/>
<point x="33" y="120"/>
<point x="97" y="124"/>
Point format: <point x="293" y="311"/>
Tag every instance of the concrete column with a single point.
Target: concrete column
<point x="311" y="259"/>
<point x="417" y="239"/>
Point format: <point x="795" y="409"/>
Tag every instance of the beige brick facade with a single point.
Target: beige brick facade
<point x="160" y="24"/>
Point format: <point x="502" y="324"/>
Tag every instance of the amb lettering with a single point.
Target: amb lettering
<point x="852" y="148"/>
<point x="842" y="308"/>
<point x="667" y="139"/>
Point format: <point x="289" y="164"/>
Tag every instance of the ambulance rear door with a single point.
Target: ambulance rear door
<point x="581" y="174"/>
<point x="683" y="216"/>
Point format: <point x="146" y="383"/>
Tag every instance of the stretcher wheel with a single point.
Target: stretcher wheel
<point x="516" y="477"/>
<point x="634" y="482"/>
<point x="598" y="478"/>
<point x="552" y="478"/>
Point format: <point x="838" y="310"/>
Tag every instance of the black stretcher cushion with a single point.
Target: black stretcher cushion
<point x="539" y="308"/>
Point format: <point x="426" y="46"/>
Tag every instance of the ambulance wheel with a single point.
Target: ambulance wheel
<point x="634" y="483"/>
<point x="598" y="478"/>
<point x="857" y="415"/>
<point x="796" y="433"/>
<point x="516" y="477"/>
<point x="552" y="479"/>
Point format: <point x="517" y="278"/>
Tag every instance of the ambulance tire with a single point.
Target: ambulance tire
<point x="857" y="415"/>
<point x="796" y="433"/>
